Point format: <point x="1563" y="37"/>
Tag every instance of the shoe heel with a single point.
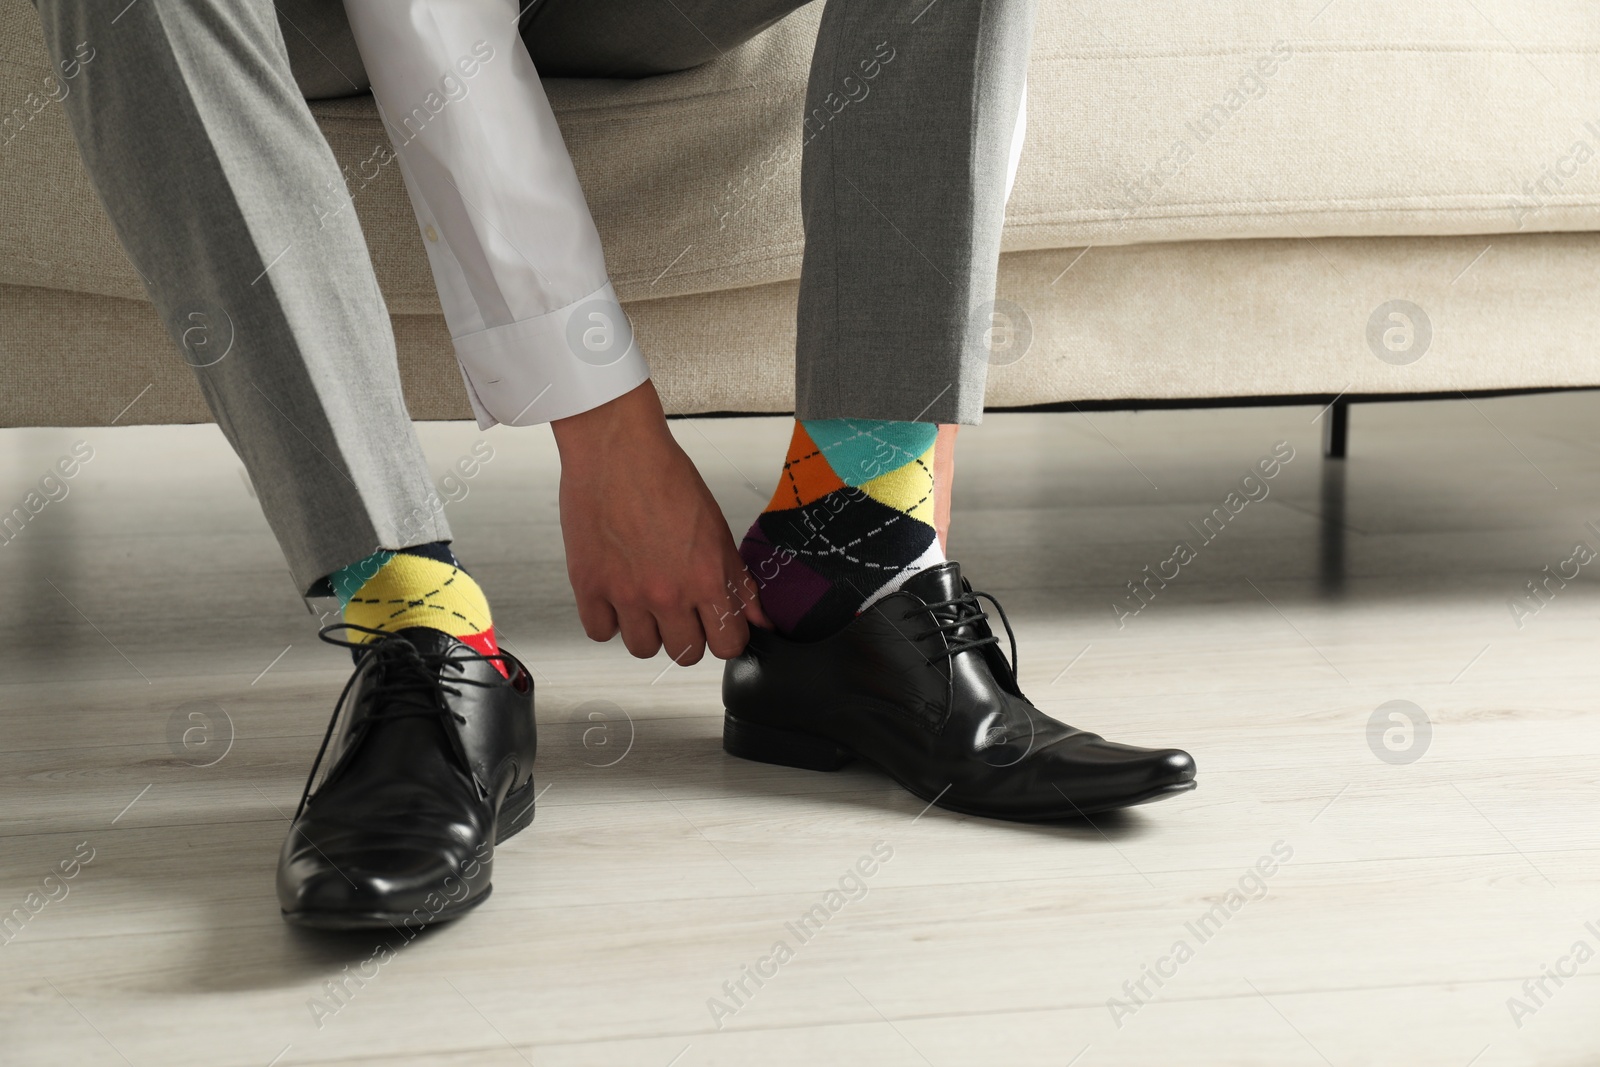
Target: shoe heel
<point x="788" y="748"/>
<point x="516" y="812"/>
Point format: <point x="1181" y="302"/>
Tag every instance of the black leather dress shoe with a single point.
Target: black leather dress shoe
<point x="917" y="685"/>
<point x="432" y="767"/>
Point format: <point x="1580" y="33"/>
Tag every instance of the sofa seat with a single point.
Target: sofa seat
<point x="1150" y="124"/>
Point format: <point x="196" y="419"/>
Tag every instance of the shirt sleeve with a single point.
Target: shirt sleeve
<point x="536" y="325"/>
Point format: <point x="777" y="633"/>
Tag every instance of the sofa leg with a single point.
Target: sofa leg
<point x="1331" y="535"/>
<point x="1336" y="429"/>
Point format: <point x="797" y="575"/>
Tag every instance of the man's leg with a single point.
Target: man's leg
<point x="199" y="144"/>
<point x="911" y="111"/>
<point x="230" y="204"/>
<point x="903" y="193"/>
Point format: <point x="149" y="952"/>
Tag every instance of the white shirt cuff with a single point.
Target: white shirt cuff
<point x="554" y="365"/>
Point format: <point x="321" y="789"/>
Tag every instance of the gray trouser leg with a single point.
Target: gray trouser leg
<point x="903" y="189"/>
<point x="909" y="118"/>
<point x="212" y="171"/>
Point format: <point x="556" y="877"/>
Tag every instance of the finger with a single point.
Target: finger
<point x="726" y="631"/>
<point x="598" y="618"/>
<point x="682" y="636"/>
<point x="639" y="632"/>
<point x="749" y="597"/>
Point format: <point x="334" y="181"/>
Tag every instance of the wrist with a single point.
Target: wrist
<point x="628" y="421"/>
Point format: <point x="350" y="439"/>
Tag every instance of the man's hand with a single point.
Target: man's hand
<point x="648" y="550"/>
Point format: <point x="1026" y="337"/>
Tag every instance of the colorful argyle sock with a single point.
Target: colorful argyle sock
<point x="419" y="586"/>
<point x="851" y="520"/>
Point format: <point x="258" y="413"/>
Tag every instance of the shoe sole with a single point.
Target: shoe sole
<point x="516" y="812"/>
<point x="516" y="815"/>
<point x="791" y="748"/>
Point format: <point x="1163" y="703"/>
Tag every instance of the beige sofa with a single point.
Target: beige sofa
<point x="1214" y="201"/>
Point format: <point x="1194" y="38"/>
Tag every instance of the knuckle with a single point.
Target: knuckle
<point x="659" y="594"/>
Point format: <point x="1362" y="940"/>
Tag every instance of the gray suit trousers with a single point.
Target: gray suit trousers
<point x="193" y="127"/>
<point x="903" y="176"/>
<point x="201" y="147"/>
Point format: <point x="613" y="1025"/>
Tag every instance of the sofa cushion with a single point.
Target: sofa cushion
<point x="1189" y="321"/>
<point x="1148" y="121"/>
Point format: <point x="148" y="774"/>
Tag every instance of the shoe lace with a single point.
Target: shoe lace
<point x="409" y="685"/>
<point x="964" y="610"/>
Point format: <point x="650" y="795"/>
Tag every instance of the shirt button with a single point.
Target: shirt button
<point x="430" y="233"/>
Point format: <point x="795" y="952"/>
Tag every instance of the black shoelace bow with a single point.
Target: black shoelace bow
<point x="964" y="610"/>
<point x="409" y="685"/>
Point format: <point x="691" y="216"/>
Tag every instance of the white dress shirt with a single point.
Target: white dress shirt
<point x="537" y="327"/>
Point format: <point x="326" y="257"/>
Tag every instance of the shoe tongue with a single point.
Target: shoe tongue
<point x="395" y="740"/>
<point x="936" y="583"/>
<point x="430" y="644"/>
<point x="427" y="640"/>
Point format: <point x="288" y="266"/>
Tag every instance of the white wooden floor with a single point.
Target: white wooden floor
<point x="1417" y="898"/>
